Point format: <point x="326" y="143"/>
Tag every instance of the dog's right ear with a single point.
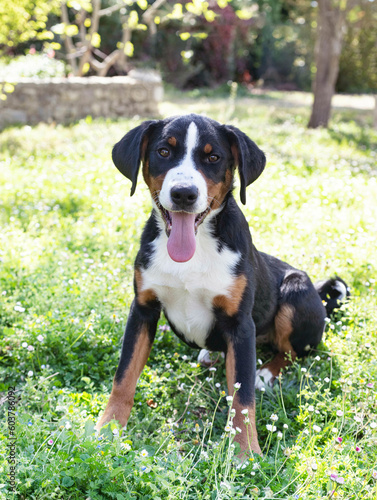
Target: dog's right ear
<point x="130" y="151"/>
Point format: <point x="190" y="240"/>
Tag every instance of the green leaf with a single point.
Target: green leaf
<point x="71" y="30"/>
<point x="133" y="19"/>
<point x="143" y="4"/>
<point x="184" y="36"/>
<point x="96" y="42"/>
<point x="129" y="49"/>
<point x="67" y="481"/>
<point x="89" y="427"/>
<point x="117" y="471"/>
<point x="244" y="14"/>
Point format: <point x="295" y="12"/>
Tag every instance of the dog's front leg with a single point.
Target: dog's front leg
<point x="240" y="369"/>
<point x="137" y="343"/>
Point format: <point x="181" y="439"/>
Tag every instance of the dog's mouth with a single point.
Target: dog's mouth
<point x="181" y="229"/>
<point x="168" y="218"/>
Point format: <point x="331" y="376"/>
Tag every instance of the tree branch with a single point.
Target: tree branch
<point x="69" y="47"/>
<point x="110" y="10"/>
<point x="103" y="67"/>
<point x="146" y="16"/>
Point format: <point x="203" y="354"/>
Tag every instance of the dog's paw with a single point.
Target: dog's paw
<point x="264" y="378"/>
<point x="208" y="358"/>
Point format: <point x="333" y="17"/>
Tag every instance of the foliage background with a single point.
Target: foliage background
<point x="256" y="43"/>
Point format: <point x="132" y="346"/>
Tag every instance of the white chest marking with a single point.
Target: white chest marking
<point x="186" y="290"/>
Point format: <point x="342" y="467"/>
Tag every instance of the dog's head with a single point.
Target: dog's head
<point x="188" y="165"/>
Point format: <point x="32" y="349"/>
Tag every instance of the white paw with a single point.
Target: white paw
<point x="208" y="358"/>
<point x="263" y="378"/>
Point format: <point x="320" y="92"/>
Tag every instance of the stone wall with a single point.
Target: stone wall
<point x="63" y="100"/>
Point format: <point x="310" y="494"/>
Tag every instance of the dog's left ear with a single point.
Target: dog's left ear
<point x="130" y="151"/>
<point x="249" y="158"/>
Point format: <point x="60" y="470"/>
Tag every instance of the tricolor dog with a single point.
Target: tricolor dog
<point x="198" y="264"/>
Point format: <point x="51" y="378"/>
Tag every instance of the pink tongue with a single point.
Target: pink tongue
<point x="181" y="242"/>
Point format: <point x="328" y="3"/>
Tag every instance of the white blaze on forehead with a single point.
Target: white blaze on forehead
<point x="191" y="139"/>
<point x="186" y="173"/>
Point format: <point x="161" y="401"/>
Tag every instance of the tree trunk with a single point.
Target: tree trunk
<point x="330" y="30"/>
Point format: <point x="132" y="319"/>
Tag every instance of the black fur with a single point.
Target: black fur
<point x="127" y="153"/>
<point x="251" y="161"/>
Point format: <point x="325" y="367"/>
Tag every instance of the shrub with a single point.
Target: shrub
<point x="32" y="66"/>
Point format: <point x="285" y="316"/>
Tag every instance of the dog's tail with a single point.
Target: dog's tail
<point x="333" y="292"/>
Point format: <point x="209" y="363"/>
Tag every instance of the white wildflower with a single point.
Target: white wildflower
<point x="271" y="428"/>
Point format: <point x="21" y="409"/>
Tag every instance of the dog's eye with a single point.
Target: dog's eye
<point x="213" y="158"/>
<point x="163" y="152"/>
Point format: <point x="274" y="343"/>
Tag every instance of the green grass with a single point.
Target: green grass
<point x="69" y="235"/>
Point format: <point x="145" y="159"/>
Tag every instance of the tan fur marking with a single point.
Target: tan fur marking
<point x="154" y="183"/>
<point x="231" y="303"/>
<point x="122" y="395"/>
<point x="217" y="192"/>
<point x="248" y="438"/>
<point x="172" y="141"/>
<point x="284" y="328"/>
<point x="207" y="148"/>
<point x="143" y="296"/>
<point x="281" y="339"/>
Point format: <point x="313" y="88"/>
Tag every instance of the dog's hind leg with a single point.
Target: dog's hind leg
<point x="281" y="341"/>
<point x="298" y="325"/>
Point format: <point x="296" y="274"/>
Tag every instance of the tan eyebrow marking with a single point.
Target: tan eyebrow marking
<point x="207" y="148"/>
<point x="172" y="141"/>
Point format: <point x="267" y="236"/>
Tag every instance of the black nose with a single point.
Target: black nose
<point x="184" y="196"/>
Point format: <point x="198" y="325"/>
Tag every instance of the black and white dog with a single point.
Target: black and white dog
<point x="197" y="262"/>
